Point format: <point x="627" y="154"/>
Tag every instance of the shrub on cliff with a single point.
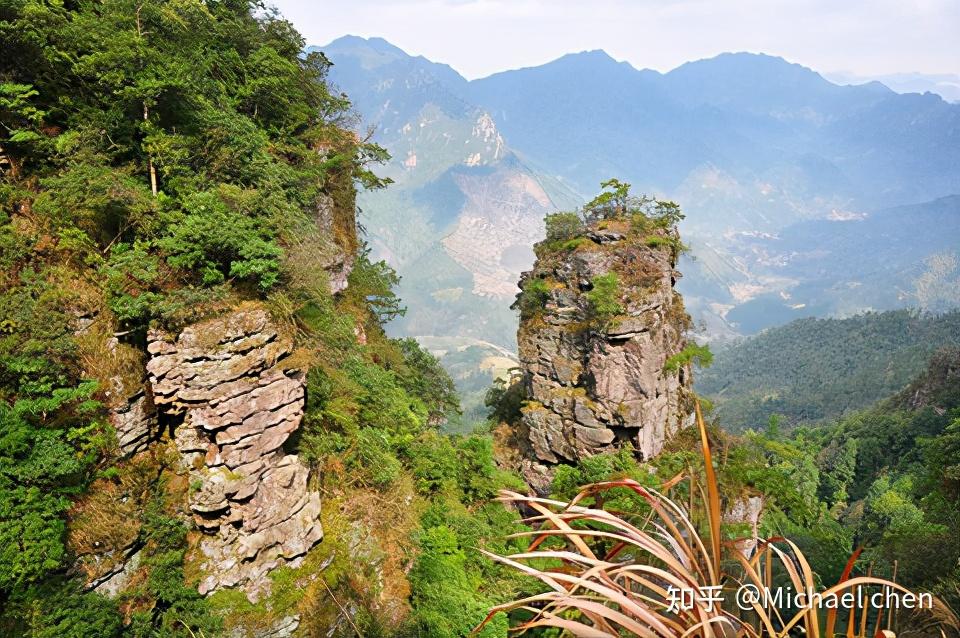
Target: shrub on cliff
<point x="533" y="295"/>
<point x="691" y="353"/>
<point x="165" y="128"/>
<point x="155" y="159"/>
<point x="563" y="227"/>
<point x="604" y="297"/>
<point x="644" y="212"/>
<point x="445" y="595"/>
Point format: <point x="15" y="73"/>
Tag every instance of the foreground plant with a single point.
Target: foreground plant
<point x="610" y="574"/>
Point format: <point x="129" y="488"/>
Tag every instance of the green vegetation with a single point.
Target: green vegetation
<point x="643" y="212"/>
<point x="604" y="297"/>
<point x="150" y="170"/>
<point x="883" y="479"/>
<point x="815" y="369"/>
<point x="691" y="353"/>
<point x="613" y="222"/>
<point x="621" y="556"/>
<point x="161" y="163"/>
<point x="562" y="227"/>
<point x="653" y="219"/>
<point x="887" y="477"/>
<point x="50" y="441"/>
<point x="534" y="293"/>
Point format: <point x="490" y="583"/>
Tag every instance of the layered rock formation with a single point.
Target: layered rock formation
<point x="222" y="388"/>
<point x="596" y="378"/>
<point x="224" y="391"/>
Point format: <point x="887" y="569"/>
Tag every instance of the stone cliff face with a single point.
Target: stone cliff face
<point x="595" y="379"/>
<point x="223" y="389"/>
<point x="224" y="393"/>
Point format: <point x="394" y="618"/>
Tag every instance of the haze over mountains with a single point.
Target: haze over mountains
<point x="946" y="85"/>
<point x="802" y="196"/>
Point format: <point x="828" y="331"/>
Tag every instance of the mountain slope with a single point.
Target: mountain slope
<point x="752" y="146"/>
<point x="815" y="369"/>
<point x="844" y="264"/>
<point x="465" y="209"/>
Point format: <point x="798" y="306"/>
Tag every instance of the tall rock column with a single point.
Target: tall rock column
<point x="222" y="387"/>
<point x="600" y="320"/>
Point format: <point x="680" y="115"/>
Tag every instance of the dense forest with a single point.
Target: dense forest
<point x="160" y="162"/>
<point x="884" y="478"/>
<point x="815" y="369"/>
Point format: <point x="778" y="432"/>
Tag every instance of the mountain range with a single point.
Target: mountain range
<point x="946" y="85"/>
<point x="801" y="196"/>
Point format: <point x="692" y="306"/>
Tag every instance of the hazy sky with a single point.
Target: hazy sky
<point x="480" y="37"/>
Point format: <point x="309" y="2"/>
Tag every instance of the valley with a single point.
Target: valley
<point x="782" y="188"/>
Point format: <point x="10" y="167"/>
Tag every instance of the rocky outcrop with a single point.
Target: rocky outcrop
<point x="745" y="511"/>
<point x="335" y="257"/>
<point x="119" y="368"/>
<point x="222" y="388"/>
<point x="115" y="581"/>
<point x="135" y="421"/>
<point x="596" y="377"/>
<point x="283" y="628"/>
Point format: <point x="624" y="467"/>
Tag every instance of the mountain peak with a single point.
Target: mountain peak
<point x="353" y="42"/>
<point x="740" y="62"/>
<point x="370" y="52"/>
<point x="593" y="57"/>
<point x="583" y="64"/>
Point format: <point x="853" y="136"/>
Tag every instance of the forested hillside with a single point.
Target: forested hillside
<point x="876" y="491"/>
<point x="815" y="369"/>
<point x="884" y="478"/>
<point x="162" y="165"/>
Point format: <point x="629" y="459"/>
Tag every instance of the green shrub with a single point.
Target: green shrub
<point x="563" y="227"/>
<point x="533" y="296"/>
<point x="31" y="534"/>
<point x="671" y="241"/>
<point x="217" y="242"/>
<point x="691" y="352"/>
<point x="133" y="278"/>
<point x="179" y="611"/>
<point x="382" y="402"/>
<point x="371" y="287"/>
<point x="59" y="609"/>
<point x="644" y="212"/>
<point x="434" y="463"/>
<point x="445" y="600"/>
<point x="48" y="446"/>
<point x="479" y="477"/>
<point x="422" y="376"/>
<point x="504" y="401"/>
<point x="604" y="297"/>
<point x="569" y="479"/>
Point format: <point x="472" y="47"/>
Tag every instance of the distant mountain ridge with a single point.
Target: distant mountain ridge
<point x="946" y="85"/>
<point x="761" y="153"/>
<point x="747" y="115"/>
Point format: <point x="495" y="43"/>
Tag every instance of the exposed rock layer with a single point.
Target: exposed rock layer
<point x="593" y="383"/>
<point x="222" y="386"/>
